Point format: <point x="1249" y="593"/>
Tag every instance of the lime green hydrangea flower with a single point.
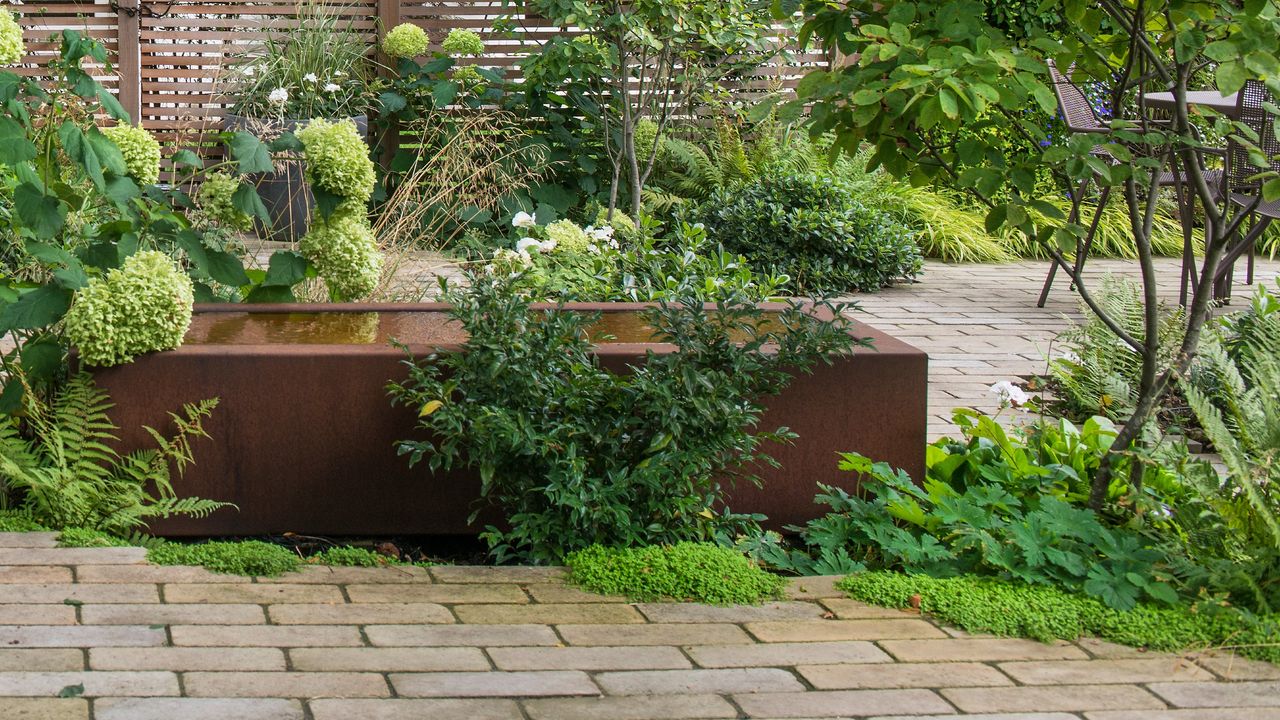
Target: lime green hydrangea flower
<point x="214" y="199"/>
<point x="568" y="237"/>
<point x="468" y="77"/>
<point x="462" y="42"/>
<point x="405" y="40"/>
<point x="646" y="134"/>
<point x="11" y="48"/>
<point x="141" y="152"/>
<point x="621" y="223"/>
<point x="344" y="252"/>
<point x="143" y="306"/>
<point x="338" y="159"/>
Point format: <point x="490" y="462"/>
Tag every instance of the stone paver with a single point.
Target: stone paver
<point x="902" y="675"/>
<point x="656" y="707"/>
<point x="1065" y="698"/>
<point x="12" y="708"/>
<point x="693" y="682"/>
<point x="197" y="709"/>
<point x="186" y="658"/>
<point x="272" y="684"/>
<point x="588" y="658"/>
<point x="435" y="709"/>
<point x="496" y="683"/>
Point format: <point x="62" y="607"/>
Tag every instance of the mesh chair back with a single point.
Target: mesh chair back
<point x="1255" y="116"/>
<point x="1077" y="111"/>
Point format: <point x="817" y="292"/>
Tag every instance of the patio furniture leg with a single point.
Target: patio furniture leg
<point x="1226" y="272"/>
<point x="1081" y="248"/>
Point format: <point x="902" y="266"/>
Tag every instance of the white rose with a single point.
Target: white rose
<point x="524" y="220"/>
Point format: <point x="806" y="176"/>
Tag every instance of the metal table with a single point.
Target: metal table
<point x="1212" y="99"/>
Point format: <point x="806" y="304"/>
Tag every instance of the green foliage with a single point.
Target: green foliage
<point x="315" y="67"/>
<point x="575" y="454"/>
<point x="687" y="571"/>
<point x="18" y="521"/>
<point x="1003" y="607"/>
<point x="347" y="556"/>
<point x="405" y="40"/>
<point x="58" y="458"/>
<point x="1099" y="374"/>
<point x="990" y="504"/>
<point x="1233" y="528"/>
<point x="567" y="236"/>
<point x="684" y="264"/>
<point x="85" y="537"/>
<point x="216" y="200"/>
<point x="143" y="306"/>
<point x="812" y="230"/>
<point x="244" y="557"/>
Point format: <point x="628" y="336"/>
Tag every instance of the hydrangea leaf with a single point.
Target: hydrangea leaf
<point x="250" y="153"/>
<point x="36" y="309"/>
<point x="44" y="215"/>
<point x="14" y="145"/>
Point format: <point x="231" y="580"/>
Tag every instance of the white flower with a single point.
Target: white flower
<point x="547" y="246"/>
<point x="524" y="220"/>
<point x="602" y="234"/>
<point x="1010" y="394"/>
<point x="525" y="244"/>
<point x="613" y="243"/>
<point x="311" y="77"/>
<point x="332" y="87"/>
<point x="249" y="70"/>
<point x="339" y="73"/>
<point x="593" y="248"/>
<point x="279" y="96"/>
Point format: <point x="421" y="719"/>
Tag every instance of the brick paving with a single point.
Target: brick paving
<point x="980" y="323"/>
<point x="99" y="634"/>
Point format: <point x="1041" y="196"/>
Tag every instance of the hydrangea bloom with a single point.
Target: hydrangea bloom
<point x="405" y="40"/>
<point x="11" y="48"/>
<point x="344" y="252"/>
<point x="468" y="77"/>
<point x="214" y="199"/>
<point x="337" y="159"/>
<point x="567" y="236"/>
<point x="463" y="42"/>
<point x="1010" y="394"/>
<point x="523" y="219"/>
<point x="143" y="306"/>
<point x="141" y="152"/>
<point x="621" y="223"/>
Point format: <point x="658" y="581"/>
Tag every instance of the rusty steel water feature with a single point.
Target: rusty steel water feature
<point x="304" y="436"/>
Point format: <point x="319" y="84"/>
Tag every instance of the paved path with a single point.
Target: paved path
<point x="123" y="640"/>
<point x="980" y="323"/>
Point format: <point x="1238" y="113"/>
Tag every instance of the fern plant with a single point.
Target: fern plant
<point x="1241" y="511"/>
<point x="69" y="476"/>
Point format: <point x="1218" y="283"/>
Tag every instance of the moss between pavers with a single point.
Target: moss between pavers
<point x="1008" y="608"/>
<point x="698" y="572"/>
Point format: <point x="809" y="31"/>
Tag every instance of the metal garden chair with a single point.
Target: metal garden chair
<point x="1241" y="186"/>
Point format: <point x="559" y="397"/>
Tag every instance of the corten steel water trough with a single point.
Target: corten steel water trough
<point x="303" y="438"/>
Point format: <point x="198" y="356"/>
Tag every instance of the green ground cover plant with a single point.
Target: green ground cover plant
<point x="1011" y="608"/>
<point x="688" y="571"/>
<point x="245" y="557"/>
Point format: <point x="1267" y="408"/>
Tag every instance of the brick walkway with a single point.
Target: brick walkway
<point x="124" y="640"/>
<point x="980" y="323"/>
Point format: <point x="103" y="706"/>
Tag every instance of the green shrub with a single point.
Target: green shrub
<point x="689" y="571"/>
<point x="575" y="454"/>
<point x="246" y="557"/>
<point x="1012" y="608"/>
<point x="811" y="229"/>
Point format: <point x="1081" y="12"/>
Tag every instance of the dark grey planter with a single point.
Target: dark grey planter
<point x="284" y="192"/>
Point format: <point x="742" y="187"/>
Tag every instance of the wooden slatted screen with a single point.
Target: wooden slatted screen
<point x="169" y="56"/>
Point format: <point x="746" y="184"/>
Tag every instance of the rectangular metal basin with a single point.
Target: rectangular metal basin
<point x="303" y="439"/>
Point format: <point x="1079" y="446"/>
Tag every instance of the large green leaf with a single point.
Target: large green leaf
<point x="44" y="215"/>
<point x="251" y="154"/>
<point x="14" y="145"/>
<point x="246" y="200"/>
<point x="286" y="269"/>
<point x="227" y="269"/>
<point x="37" y="308"/>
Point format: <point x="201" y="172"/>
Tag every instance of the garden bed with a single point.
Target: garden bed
<point x="303" y="439"/>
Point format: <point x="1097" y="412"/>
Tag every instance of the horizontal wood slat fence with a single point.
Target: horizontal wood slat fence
<point x="168" y="56"/>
